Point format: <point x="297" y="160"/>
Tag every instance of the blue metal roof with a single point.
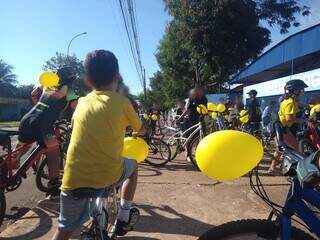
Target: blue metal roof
<point x="277" y="58"/>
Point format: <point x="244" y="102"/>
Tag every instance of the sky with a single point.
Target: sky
<point x="33" y="30"/>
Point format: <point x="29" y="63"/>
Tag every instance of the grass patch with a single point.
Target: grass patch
<point x="9" y="124"/>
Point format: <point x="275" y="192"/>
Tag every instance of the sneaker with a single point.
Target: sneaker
<point x="122" y="228"/>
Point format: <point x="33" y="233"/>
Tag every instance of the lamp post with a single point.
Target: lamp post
<point x="78" y="35"/>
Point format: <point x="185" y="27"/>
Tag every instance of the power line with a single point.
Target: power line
<point x="130" y="24"/>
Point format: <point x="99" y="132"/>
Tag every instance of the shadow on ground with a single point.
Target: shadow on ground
<point x="164" y="219"/>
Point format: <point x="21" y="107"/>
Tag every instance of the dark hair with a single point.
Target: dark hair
<point x="101" y="67"/>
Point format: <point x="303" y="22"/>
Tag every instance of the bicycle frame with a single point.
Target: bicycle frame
<point x="180" y="135"/>
<point x="296" y="204"/>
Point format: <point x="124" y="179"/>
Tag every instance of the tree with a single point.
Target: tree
<point x="7" y="79"/>
<point x="61" y="60"/>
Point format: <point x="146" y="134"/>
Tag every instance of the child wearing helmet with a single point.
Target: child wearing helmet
<point x="38" y="124"/>
<point x="288" y="115"/>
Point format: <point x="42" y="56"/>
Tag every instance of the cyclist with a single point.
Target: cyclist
<point x="197" y="96"/>
<point x="37" y="124"/>
<point x="254" y="111"/>
<point x="288" y="120"/>
<point x="94" y="159"/>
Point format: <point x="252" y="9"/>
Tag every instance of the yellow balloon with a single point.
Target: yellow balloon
<point x="243" y="112"/>
<point x="145" y="116"/>
<point x="214" y="115"/>
<point x="244" y="119"/>
<point x="202" y="109"/>
<point x="135" y="148"/>
<point x="225" y="155"/>
<point x="49" y="79"/>
<point x="314" y="109"/>
<point x="211" y="107"/>
<point x="154" y="117"/>
<point x="221" y="108"/>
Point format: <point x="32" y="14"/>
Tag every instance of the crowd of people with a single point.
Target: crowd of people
<point x="99" y="123"/>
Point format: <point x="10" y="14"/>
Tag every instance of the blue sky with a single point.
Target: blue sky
<point x="33" y="30"/>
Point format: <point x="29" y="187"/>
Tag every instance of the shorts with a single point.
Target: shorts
<point x="74" y="205"/>
<point x="32" y="129"/>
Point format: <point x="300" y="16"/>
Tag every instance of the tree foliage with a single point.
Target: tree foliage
<point x="207" y="41"/>
<point x="61" y="60"/>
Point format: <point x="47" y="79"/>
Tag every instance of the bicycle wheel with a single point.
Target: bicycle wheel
<point x="306" y="147"/>
<point x="251" y="229"/>
<point x="191" y="150"/>
<point x="42" y="175"/>
<point x="159" y="152"/>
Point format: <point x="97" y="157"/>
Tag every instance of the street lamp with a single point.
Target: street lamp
<point x="78" y="35"/>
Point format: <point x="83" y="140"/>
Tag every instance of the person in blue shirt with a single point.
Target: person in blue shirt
<point x="268" y="117"/>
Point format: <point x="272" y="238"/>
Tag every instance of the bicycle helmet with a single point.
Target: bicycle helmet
<point x="252" y="92"/>
<point x="295" y="85"/>
<point x="66" y="76"/>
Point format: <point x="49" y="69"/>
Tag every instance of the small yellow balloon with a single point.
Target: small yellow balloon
<point x="221" y="108"/>
<point x="225" y="155"/>
<point x="202" y="109"/>
<point x="244" y="119"/>
<point x="49" y="79"/>
<point x="315" y="109"/>
<point x="154" y="117"/>
<point x="145" y="116"/>
<point x="135" y="148"/>
<point x="211" y="107"/>
<point x="243" y="112"/>
<point x="214" y="115"/>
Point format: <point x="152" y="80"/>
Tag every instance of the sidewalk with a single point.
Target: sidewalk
<point x="175" y="201"/>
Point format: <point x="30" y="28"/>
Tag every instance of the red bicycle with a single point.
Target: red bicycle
<point x="10" y="178"/>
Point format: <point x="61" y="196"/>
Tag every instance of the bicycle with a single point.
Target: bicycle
<point x="303" y="201"/>
<point x="103" y="215"/>
<point x="63" y="134"/>
<point x="159" y="151"/>
<point x="10" y="179"/>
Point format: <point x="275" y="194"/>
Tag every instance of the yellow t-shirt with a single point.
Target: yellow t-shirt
<point x="94" y="154"/>
<point x="287" y="107"/>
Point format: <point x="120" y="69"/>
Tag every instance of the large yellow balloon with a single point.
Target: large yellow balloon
<point x="211" y="107"/>
<point x="202" y="109"/>
<point x="154" y="117"/>
<point x="49" y="79"/>
<point x="221" y="108"/>
<point x="228" y="154"/>
<point x="135" y="148"/>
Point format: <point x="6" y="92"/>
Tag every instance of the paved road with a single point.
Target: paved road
<point x="22" y="200"/>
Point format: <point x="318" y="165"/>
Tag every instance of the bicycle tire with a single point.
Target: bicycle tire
<point x="3" y="205"/>
<point x="302" y="144"/>
<point x="193" y="144"/>
<point x="175" y="152"/>
<point x="154" y="149"/>
<point x="41" y="174"/>
<point x="257" y="227"/>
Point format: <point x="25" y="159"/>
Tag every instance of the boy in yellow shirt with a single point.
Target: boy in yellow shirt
<point x="94" y="159"/>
